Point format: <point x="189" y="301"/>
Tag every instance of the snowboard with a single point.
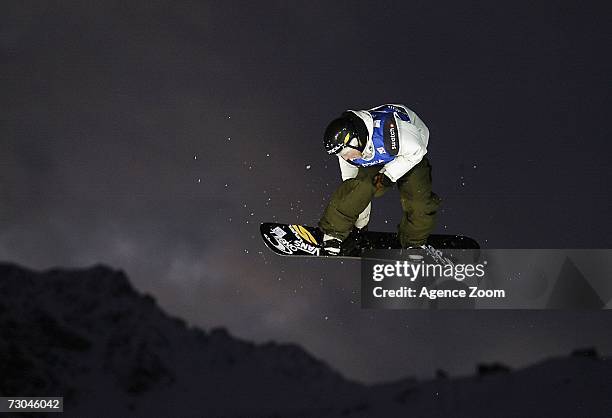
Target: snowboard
<point x="305" y="241"/>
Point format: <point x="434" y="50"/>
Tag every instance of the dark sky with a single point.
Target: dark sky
<point x="156" y="136"/>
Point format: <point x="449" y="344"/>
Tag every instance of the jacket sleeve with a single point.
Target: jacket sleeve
<point x="402" y="164"/>
<point x="413" y="146"/>
<point x="417" y="122"/>
<point x="347" y="170"/>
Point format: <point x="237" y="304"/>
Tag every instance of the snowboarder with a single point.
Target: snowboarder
<point x="378" y="148"/>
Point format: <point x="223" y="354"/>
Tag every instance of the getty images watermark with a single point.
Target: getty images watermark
<point x="411" y="272"/>
<point x="488" y="279"/>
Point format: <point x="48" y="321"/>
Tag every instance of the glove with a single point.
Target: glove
<point x="381" y="181"/>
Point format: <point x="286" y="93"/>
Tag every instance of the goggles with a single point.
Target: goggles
<point x="350" y="140"/>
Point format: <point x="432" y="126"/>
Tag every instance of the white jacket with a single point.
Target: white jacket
<point x="413" y="140"/>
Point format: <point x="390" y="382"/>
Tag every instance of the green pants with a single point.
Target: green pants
<point x="419" y="204"/>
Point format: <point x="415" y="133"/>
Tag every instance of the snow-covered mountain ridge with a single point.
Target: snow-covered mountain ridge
<point x="89" y="336"/>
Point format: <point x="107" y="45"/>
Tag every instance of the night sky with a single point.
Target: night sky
<point x="155" y="137"/>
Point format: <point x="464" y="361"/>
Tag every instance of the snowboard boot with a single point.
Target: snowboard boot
<point x="354" y="243"/>
<point x="429" y="254"/>
<point x="331" y="245"/>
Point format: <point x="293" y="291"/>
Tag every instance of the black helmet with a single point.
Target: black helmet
<point x="341" y="131"/>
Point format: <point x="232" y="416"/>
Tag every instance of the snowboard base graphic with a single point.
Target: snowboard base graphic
<point x="304" y="241"/>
